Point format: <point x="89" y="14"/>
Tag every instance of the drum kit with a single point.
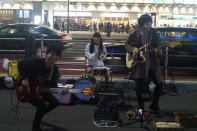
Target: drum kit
<point x="103" y="72"/>
<point x="86" y="81"/>
<point x="107" y="98"/>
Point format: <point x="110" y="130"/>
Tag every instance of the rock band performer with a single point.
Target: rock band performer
<point x="150" y="68"/>
<point x="95" y="53"/>
<point x="35" y="68"/>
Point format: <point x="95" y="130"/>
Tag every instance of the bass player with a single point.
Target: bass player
<point x="36" y="68"/>
<point x="145" y="35"/>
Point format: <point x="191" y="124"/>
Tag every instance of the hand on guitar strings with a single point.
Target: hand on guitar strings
<point x="25" y="82"/>
<point x="158" y="51"/>
<point x="135" y="51"/>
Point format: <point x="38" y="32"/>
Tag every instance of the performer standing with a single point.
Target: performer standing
<point x="35" y="68"/>
<point x="95" y="53"/>
<point x="144" y="34"/>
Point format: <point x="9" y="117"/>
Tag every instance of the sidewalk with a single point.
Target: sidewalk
<point x="87" y="35"/>
<point x="80" y="117"/>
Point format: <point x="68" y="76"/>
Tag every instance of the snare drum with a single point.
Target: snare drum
<point x="100" y="70"/>
<point x="82" y="84"/>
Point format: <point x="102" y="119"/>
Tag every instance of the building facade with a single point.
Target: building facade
<point x="88" y="12"/>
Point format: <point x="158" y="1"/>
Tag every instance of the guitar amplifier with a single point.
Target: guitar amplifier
<point x="186" y="119"/>
<point x="12" y="69"/>
<point x="159" y="125"/>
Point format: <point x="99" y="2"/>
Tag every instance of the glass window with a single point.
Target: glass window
<point x="39" y="30"/>
<point x="178" y="1"/>
<point x="188" y="1"/>
<point x="46" y="31"/>
<point x="31" y="29"/>
<point x="8" y="30"/>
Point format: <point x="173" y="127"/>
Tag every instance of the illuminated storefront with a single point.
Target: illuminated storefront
<point x="114" y="11"/>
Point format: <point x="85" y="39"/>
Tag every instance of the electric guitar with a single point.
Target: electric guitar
<point x="132" y="60"/>
<point x="26" y="94"/>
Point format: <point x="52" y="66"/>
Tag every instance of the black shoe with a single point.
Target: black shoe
<point x="36" y="129"/>
<point x="154" y="107"/>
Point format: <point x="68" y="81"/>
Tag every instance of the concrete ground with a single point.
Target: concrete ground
<point x="80" y="116"/>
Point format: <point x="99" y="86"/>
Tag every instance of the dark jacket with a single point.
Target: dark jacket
<point x="35" y="68"/>
<point x="134" y="40"/>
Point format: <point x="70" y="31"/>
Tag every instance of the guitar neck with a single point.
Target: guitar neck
<point x="64" y="90"/>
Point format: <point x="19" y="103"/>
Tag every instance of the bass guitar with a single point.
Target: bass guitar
<point x="26" y="94"/>
<point x="132" y="60"/>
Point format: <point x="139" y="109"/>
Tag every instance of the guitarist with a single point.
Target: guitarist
<point x="149" y="69"/>
<point x="35" y="68"/>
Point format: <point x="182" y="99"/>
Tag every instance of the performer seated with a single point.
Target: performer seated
<point x="95" y="53"/>
<point x="150" y="68"/>
<point x="35" y="68"/>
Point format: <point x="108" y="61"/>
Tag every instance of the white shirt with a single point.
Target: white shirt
<point x="92" y="59"/>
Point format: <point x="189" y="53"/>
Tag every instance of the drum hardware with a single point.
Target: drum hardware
<point x="89" y="77"/>
<point x="105" y="85"/>
<point x="103" y="72"/>
<point x="107" y="114"/>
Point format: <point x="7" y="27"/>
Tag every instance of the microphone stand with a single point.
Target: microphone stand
<point x="86" y="67"/>
<point x="146" y="78"/>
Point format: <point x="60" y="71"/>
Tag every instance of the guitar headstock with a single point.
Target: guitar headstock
<point x="174" y="44"/>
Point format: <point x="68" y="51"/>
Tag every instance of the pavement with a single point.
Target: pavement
<point x="88" y="34"/>
<point x="80" y="116"/>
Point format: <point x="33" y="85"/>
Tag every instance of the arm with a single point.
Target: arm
<point x="55" y="77"/>
<point x="103" y="53"/>
<point x="155" y="39"/>
<point x="23" y="68"/>
<point x="131" y="45"/>
<point x="88" y="55"/>
<point x="23" y="72"/>
<point x="156" y="43"/>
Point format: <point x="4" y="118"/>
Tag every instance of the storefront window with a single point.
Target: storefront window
<point x="178" y="1"/>
<point x="189" y="2"/>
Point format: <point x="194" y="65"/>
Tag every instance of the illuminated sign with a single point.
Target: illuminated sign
<point x="158" y="1"/>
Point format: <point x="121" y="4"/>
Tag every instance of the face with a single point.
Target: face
<point x="96" y="40"/>
<point x="51" y="58"/>
<point x="146" y="26"/>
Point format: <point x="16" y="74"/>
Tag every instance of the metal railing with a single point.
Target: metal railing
<point x="82" y="51"/>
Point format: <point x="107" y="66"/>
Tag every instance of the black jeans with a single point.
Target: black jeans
<point x="142" y="85"/>
<point x="42" y="108"/>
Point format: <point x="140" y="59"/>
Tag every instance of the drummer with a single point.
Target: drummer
<point x="95" y="53"/>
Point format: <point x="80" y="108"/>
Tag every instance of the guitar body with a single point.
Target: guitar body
<point x="26" y="94"/>
<point x="129" y="60"/>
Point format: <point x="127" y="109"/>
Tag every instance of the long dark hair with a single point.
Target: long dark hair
<point x="98" y="35"/>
